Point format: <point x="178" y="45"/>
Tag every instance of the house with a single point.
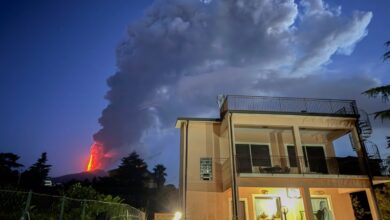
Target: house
<point x="278" y="158"/>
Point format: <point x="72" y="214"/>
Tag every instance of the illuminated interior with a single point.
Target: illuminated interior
<point x="273" y="203"/>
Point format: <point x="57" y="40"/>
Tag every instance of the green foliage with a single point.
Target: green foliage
<point x="159" y="175"/>
<point x="128" y="181"/>
<point x="78" y="191"/>
<point x="383" y="91"/>
<point x="78" y="202"/>
<point x="33" y="177"/>
<point x="383" y="195"/>
<point x="92" y="202"/>
<point x="386" y="55"/>
<point x="11" y="204"/>
<point x="357" y="208"/>
<point x="131" y="183"/>
<point x="8" y="168"/>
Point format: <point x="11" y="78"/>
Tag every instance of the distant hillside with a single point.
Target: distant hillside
<point x="79" y="176"/>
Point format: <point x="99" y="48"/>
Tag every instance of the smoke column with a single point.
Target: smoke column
<point x="217" y="44"/>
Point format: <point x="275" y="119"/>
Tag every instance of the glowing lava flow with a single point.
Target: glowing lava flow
<point x="96" y="157"/>
<point x="89" y="167"/>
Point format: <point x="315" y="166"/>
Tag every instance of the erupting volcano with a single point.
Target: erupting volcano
<point x="96" y="157"/>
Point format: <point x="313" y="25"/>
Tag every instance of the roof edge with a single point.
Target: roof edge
<point x="181" y="119"/>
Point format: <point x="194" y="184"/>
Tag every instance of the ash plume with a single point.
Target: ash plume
<point x="183" y="53"/>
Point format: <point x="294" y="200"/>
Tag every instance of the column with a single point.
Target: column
<point x="373" y="204"/>
<point x="305" y="193"/>
<point x="298" y="149"/>
<point x="233" y="167"/>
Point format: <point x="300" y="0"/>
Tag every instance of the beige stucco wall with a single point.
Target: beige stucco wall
<point x="340" y="202"/>
<point x="204" y="142"/>
<point x="206" y="206"/>
<point x="210" y="199"/>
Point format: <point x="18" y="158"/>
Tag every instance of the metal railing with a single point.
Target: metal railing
<point x="289" y="105"/>
<point x="19" y="205"/>
<point x="303" y="165"/>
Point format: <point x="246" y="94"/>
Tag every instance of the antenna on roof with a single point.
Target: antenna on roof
<point x="221" y="99"/>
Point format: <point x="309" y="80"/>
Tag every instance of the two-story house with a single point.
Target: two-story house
<point x="276" y="158"/>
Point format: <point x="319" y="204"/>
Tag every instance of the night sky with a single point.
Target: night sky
<point x="171" y="58"/>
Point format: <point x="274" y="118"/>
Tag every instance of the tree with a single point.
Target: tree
<point x="357" y="208"/>
<point x="384" y="92"/>
<point x="159" y="175"/>
<point x="387" y="54"/>
<point x="9" y="168"/>
<point x="127" y="181"/>
<point x="383" y="195"/>
<point x="34" y="177"/>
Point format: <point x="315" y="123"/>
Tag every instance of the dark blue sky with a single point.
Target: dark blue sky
<point x="55" y="57"/>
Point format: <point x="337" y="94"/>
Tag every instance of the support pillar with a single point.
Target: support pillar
<point x="233" y="167"/>
<point x="305" y="193"/>
<point x="373" y="205"/>
<point x="298" y="149"/>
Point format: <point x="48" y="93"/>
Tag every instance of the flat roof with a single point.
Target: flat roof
<point x="179" y="119"/>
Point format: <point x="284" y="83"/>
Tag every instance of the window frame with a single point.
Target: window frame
<point x="200" y="168"/>
<point x="250" y="150"/>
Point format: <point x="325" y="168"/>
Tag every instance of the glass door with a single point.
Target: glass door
<point x="316" y="160"/>
<point x="243" y="155"/>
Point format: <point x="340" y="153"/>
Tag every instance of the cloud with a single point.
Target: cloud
<point x="323" y="32"/>
<point x="183" y="53"/>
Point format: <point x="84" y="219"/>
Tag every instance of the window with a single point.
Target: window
<point x="267" y="206"/>
<point x="292" y="156"/>
<point x="321" y="208"/>
<point x="260" y="155"/>
<point x="206" y="168"/>
<point x="249" y="155"/>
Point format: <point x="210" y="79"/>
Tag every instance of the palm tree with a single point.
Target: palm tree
<point x="159" y="175"/>
<point x="387" y="54"/>
<point x="384" y="92"/>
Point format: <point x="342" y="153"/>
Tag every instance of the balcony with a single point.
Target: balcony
<point x="311" y="165"/>
<point x="308" y="164"/>
<point x="264" y="104"/>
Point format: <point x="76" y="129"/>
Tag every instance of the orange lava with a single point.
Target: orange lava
<point x="96" y="157"/>
<point x="89" y="167"/>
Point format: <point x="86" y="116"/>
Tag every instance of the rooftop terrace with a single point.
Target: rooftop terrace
<point x="287" y="105"/>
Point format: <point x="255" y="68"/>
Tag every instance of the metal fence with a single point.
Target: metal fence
<point x="312" y="165"/>
<point x="289" y="105"/>
<point x="30" y="206"/>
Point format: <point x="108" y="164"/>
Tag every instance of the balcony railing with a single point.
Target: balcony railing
<point x="311" y="165"/>
<point x="288" y="105"/>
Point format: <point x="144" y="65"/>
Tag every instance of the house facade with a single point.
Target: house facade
<point x="277" y="158"/>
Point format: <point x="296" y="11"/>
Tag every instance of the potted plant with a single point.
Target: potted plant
<point x="262" y="216"/>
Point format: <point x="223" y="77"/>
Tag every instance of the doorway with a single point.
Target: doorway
<point x="315" y="159"/>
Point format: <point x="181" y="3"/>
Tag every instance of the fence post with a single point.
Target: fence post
<point x="27" y="205"/>
<point x="62" y="207"/>
<point x="83" y="211"/>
